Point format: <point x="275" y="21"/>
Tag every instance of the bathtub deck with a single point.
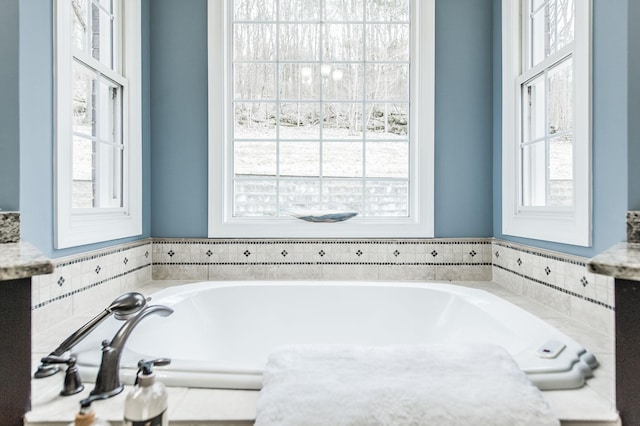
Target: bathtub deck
<point x="592" y="404"/>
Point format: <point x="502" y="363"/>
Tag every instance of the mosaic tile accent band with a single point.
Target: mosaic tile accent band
<point x="434" y="259"/>
<point x="556" y="280"/>
<point x="77" y="274"/>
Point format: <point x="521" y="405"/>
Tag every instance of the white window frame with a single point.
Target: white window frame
<point x="420" y="222"/>
<point x="75" y="227"/>
<point x="563" y="225"/>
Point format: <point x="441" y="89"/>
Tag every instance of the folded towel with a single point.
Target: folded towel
<point x="470" y="384"/>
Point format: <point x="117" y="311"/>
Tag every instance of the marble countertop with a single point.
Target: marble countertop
<point x="22" y="260"/>
<point x="620" y="261"/>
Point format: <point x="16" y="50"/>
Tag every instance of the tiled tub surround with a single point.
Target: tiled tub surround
<point x="400" y="260"/>
<point x="591" y="404"/>
<point x="557" y="280"/>
<point x="89" y="281"/>
<point x="577" y="302"/>
<point x="92" y="280"/>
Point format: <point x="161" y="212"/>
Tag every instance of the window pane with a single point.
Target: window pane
<point x="108" y="105"/>
<point x="540" y="44"/>
<point x="343" y="10"/>
<point x="387" y="42"/>
<point x="560" y="80"/>
<point x="533" y="109"/>
<point x="387" y="121"/>
<point x="83" y="89"/>
<point x="387" y="159"/>
<point x="342" y="159"/>
<point x="107" y="175"/>
<point x="551" y="28"/>
<point x="300" y="10"/>
<point x="565" y="10"/>
<point x="97" y="174"/>
<point x="102" y="42"/>
<point x="254" y="159"/>
<point x="299" y="159"/>
<point x="299" y="42"/>
<point x="79" y="10"/>
<point x="296" y="195"/>
<point x="342" y="121"/>
<point x="389" y="10"/>
<point x="83" y="173"/>
<point x="387" y="198"/>
<point x="254" y="10"/>
<point x="345" y="195"/>
<point x="254" y="120"/>
<point x="342" y="82"/>
<point x="323" y="84"/>
<point x="299" y="121"/>
<point x="254" y="81"/>
<point x="561" y="171"/>
<point x="342" y="42"/>
<point x="534" y="174"/>
<point x="388" y="82"/>
<point x="299" y="81"/>
<point x="255" y="198"/>
<point x="255" y="42"/>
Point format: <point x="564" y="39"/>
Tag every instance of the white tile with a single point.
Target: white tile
<point x="350" y="272"/>
<point x="218" y="404"/>
<point x="293" y="272"/>
<point x="580" y="405"/>
<point x="236" y="272"/>
<point x="402" y="273"/>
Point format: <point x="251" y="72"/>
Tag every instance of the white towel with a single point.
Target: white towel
<point x="471" y="384"/>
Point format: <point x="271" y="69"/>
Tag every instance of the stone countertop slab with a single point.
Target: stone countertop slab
<point x="9" y="227"/>
<point x="22" y="260"/>
<point x="620" y="261"/>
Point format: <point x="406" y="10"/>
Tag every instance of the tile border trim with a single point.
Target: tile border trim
<point x="555" y="287"/>
<point x="574" y="260"/>
<point x="71" y="260"/>
<point x="87" y="287"/>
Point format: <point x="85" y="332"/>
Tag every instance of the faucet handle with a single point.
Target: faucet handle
<point x="52" y="359"/>
<point x="72" y="382"/>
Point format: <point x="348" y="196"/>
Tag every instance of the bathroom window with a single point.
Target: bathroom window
<point x="98" y="132"/>
<point x="315" y="105"/>
<point x="546" y="120"/>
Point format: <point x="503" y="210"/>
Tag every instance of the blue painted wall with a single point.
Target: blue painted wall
<point x="634" y="105"/>
<point x="463" y="118"/>
<point x="610" y="127"/>
<point x="9" y="101"/>
<point x="179" y="118"/>
<point x="36" y="129"/>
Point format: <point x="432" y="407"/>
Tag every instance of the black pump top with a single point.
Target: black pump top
<point x="145" y="367"/>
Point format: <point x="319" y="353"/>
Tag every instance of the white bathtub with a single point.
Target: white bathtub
<point x="222" y="332"/>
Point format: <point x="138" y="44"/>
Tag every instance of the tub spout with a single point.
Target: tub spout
<point x="108" y="380"/>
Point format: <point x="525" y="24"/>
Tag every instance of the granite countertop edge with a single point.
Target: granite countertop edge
<point x="22" y="260"/>
<point x="620" y="261"/>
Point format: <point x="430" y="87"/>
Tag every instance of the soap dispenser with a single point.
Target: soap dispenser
<point x="87" y="417"/>
<point x="146" y="404"/>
